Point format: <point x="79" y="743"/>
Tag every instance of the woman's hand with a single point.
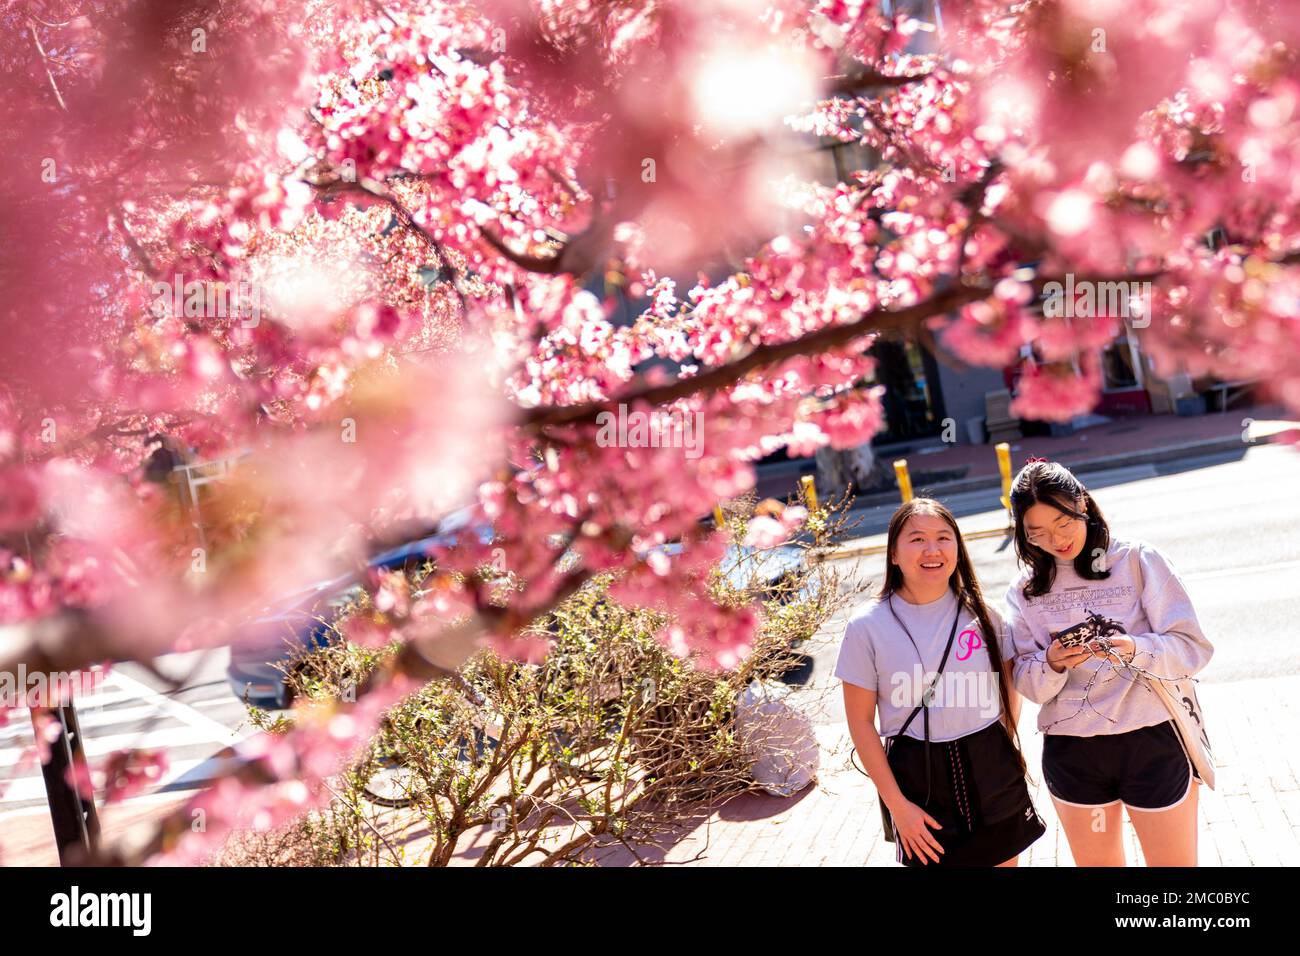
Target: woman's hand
<point x="1120" y="644"/>
<point x="1059" y="657"/>
<point x="912" y="829"/>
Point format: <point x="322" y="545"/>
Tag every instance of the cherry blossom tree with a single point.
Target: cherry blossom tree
<point x="381" y="249"/>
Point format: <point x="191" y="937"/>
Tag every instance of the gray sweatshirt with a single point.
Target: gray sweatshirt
<point x="1143" y="598"/>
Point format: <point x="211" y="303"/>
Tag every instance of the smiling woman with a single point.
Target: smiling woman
<point x="1058" y="523"/>
<point x="952" y="783"/>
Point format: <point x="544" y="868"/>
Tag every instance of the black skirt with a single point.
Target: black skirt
<point x="977" y="793"/>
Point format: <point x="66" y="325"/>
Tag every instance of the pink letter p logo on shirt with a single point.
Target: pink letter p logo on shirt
<point x="968" y="642"/>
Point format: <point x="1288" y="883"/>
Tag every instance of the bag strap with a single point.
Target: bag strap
<point x="955" y="621"/>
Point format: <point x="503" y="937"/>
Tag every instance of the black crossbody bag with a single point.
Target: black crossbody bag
<point x="886" y="821"/>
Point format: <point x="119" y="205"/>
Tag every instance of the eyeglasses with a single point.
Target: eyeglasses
<point x="1059" y="533"/>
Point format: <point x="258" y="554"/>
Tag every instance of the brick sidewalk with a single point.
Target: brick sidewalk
<point x="1252" y="819"/>
<point x="27" y="836"/>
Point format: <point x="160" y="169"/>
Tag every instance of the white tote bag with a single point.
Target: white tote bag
<point x="1179" y="698"/>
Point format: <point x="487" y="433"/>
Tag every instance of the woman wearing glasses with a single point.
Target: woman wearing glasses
<point x="953" y="778"/>
<point x="1108" y="738"/>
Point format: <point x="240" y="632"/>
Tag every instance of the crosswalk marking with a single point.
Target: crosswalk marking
<point x="87" y="704"/>
<point x="223" y="702"/>
<point x="21" y="731"/>
<point x="126" y="714"/>
<point x="181" y="712"/>
<point x="97" y="746"/>
<point x="32" y="788"/>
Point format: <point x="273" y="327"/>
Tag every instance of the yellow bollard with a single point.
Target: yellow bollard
<point x="1004" y="466"/>
<point x="904" y="479"/>
<point x="810" y="490"/>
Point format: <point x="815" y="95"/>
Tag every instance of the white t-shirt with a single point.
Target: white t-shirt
<point x="877" y="655"/>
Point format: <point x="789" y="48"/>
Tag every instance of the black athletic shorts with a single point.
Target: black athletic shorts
<point x="977" y="793"/>
<point x="1146" y="769"/>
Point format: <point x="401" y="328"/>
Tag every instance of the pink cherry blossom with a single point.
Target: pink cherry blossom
<point x="461" y="233"/>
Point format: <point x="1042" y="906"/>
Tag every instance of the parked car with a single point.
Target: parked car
<point x="305" y="618"/>
<point x="780" y="573"/>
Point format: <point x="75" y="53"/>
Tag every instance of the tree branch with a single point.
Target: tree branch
<point x="146" y="264"/>
<point x="764" y="355"/>
<point x="847" y="84"/>
<point x="45" y="61"/>
<point x="407" y="219"/>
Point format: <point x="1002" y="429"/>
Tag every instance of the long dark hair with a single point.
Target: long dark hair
<point x="965" y="585"/>
<point x="1051" y="483"/>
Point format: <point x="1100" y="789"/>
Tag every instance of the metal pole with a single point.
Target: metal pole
<point x="810" y="490"/>
<point x="1003" y="450"/>
<point x="76" y="823"/>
